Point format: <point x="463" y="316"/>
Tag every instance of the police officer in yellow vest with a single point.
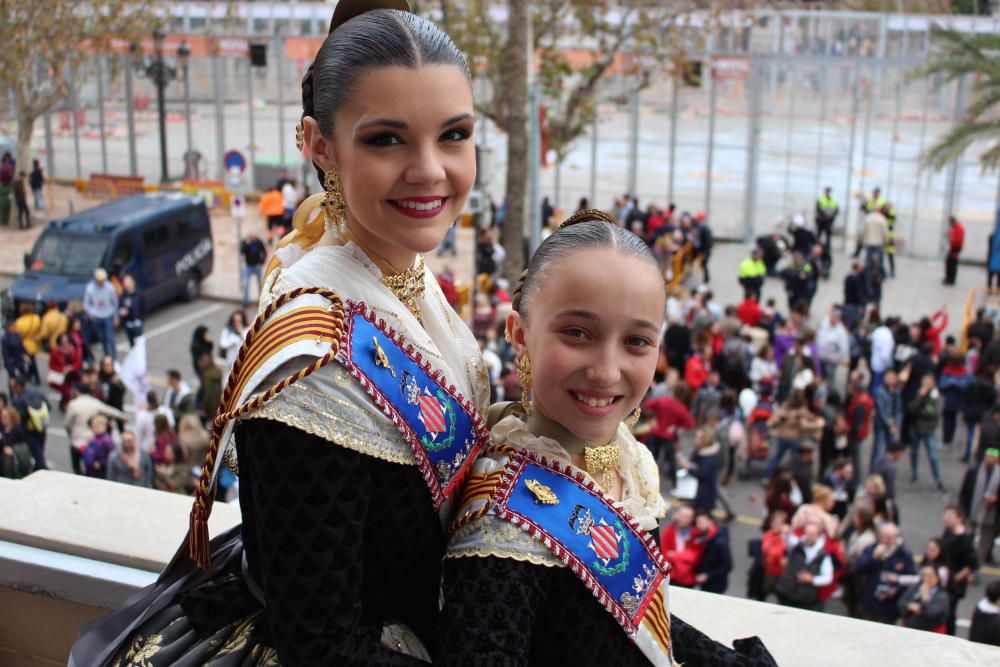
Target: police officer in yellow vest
<point x="874" y="203"/>
<point x="752" y="273"/>
<point x="827" y="209"/>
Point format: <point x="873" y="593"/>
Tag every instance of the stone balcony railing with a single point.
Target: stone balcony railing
<point x="72" y="548"/>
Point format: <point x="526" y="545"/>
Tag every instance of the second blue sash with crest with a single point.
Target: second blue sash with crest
<point x="603" y="546"/>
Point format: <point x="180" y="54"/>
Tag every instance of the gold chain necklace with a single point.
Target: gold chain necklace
<point x="603" y="461"/>
<point x="407" y="286"/>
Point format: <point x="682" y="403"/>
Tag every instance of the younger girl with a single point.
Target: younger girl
<point x="558" y="509"/>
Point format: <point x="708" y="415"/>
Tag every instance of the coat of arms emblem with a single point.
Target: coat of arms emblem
<point x="606" y="541"/>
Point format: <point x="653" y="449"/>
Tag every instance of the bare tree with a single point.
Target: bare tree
<point x="42" y="43"/>
<point x="515" y="87"/>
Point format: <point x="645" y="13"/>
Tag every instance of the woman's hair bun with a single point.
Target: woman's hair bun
<point x="348" y="9"/>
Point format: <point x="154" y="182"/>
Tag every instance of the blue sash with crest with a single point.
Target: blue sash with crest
<point x="617" y="561"/>
<point x="443" y="429"/>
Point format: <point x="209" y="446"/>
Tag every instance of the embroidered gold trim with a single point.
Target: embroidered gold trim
<point x="387" y="446"/>
<point x="497" y="552"/>
<point x="489" y="535"/>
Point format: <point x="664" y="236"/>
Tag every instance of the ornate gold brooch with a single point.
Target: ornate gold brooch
<point x="602" y="463"/>
<point x="543" y="494"/>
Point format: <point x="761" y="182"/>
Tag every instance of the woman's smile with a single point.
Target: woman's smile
<point x="420" y="207"/>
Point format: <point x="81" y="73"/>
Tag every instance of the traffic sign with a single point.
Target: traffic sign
<point x="235" y="160"/>
<point x="238" y="208"/>
<point x="235" y="182"/>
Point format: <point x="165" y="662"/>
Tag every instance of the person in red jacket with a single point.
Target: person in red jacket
<point x="956" y="239"/>
<point x="749" y="311"/>
<point x="697" y="367"/>
<point x="682" y="548"/>
<point x="65" y="362"/>
<point x="774" y="551"/>
<point x="931" y="329"/>
<point x="670" y="413"/>
<point x="860" y="407"/>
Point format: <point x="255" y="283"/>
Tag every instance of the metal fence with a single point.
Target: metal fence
<point x="787" y="103"/>
<point x="808" y="101"/>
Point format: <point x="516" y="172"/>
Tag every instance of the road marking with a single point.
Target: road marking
<point x="184" y="320"/>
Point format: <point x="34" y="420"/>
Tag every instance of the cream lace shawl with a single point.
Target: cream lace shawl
<point x="330" y="403"/>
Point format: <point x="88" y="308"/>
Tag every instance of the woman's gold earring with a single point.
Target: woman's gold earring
<point x="524" y="376"/>
<point x="634" y="418"/>
<point x="300" y="137"/>
<point x="334" y="204"/>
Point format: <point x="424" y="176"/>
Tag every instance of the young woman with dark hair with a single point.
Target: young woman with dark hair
<point x="356" y="408"/>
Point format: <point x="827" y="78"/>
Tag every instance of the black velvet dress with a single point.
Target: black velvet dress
<point x="543" y="616"/>
<point x="339" y="543"/>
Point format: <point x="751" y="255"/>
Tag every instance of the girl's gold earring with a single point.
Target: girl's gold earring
<point x="334" y="204"/>
<point x="634" y="418"/>
<point x="524" y="376"/>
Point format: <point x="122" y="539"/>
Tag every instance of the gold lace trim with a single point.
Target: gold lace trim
<point x="510" y="554"/>
<point x="489" y="535"/>
<point x="334" y="428"/>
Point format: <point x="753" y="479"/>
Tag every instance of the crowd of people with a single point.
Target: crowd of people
<point x="822" y="408"/>
<point x="160" y="443"/>
<point x="805" y="401"/>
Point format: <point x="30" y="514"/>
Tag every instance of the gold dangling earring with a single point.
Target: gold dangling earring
<point x="524" y="376"/>
<point x="634" y="418"/>
<point x="334" y="204"/>
<point x="300" y="137"/>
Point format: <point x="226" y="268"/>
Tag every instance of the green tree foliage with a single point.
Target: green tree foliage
<point x="41" y="51"/>
<point x="977" y="55"/>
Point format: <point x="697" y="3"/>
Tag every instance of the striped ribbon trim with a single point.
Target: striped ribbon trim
<point x="657" y="621"/>
<point x="263" y="339"/>
<point x="301" y="324"/>
<point x="480" y="488"/>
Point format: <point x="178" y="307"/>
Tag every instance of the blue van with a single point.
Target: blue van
<point x="164" y="239"/>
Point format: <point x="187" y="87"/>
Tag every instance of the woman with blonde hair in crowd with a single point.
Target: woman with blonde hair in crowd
<point x="192" y="437"/>
<point x="820" y="508"/>
<point x="790" y="424"/>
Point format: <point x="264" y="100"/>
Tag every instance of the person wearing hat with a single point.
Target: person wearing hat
<point x="827" y="209"/>
<point x="979" y="496"/>
<point x="100" y="301"/>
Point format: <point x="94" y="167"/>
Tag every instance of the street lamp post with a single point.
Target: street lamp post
<point x="161" y="74"/>
<point x="183" y="57"/>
